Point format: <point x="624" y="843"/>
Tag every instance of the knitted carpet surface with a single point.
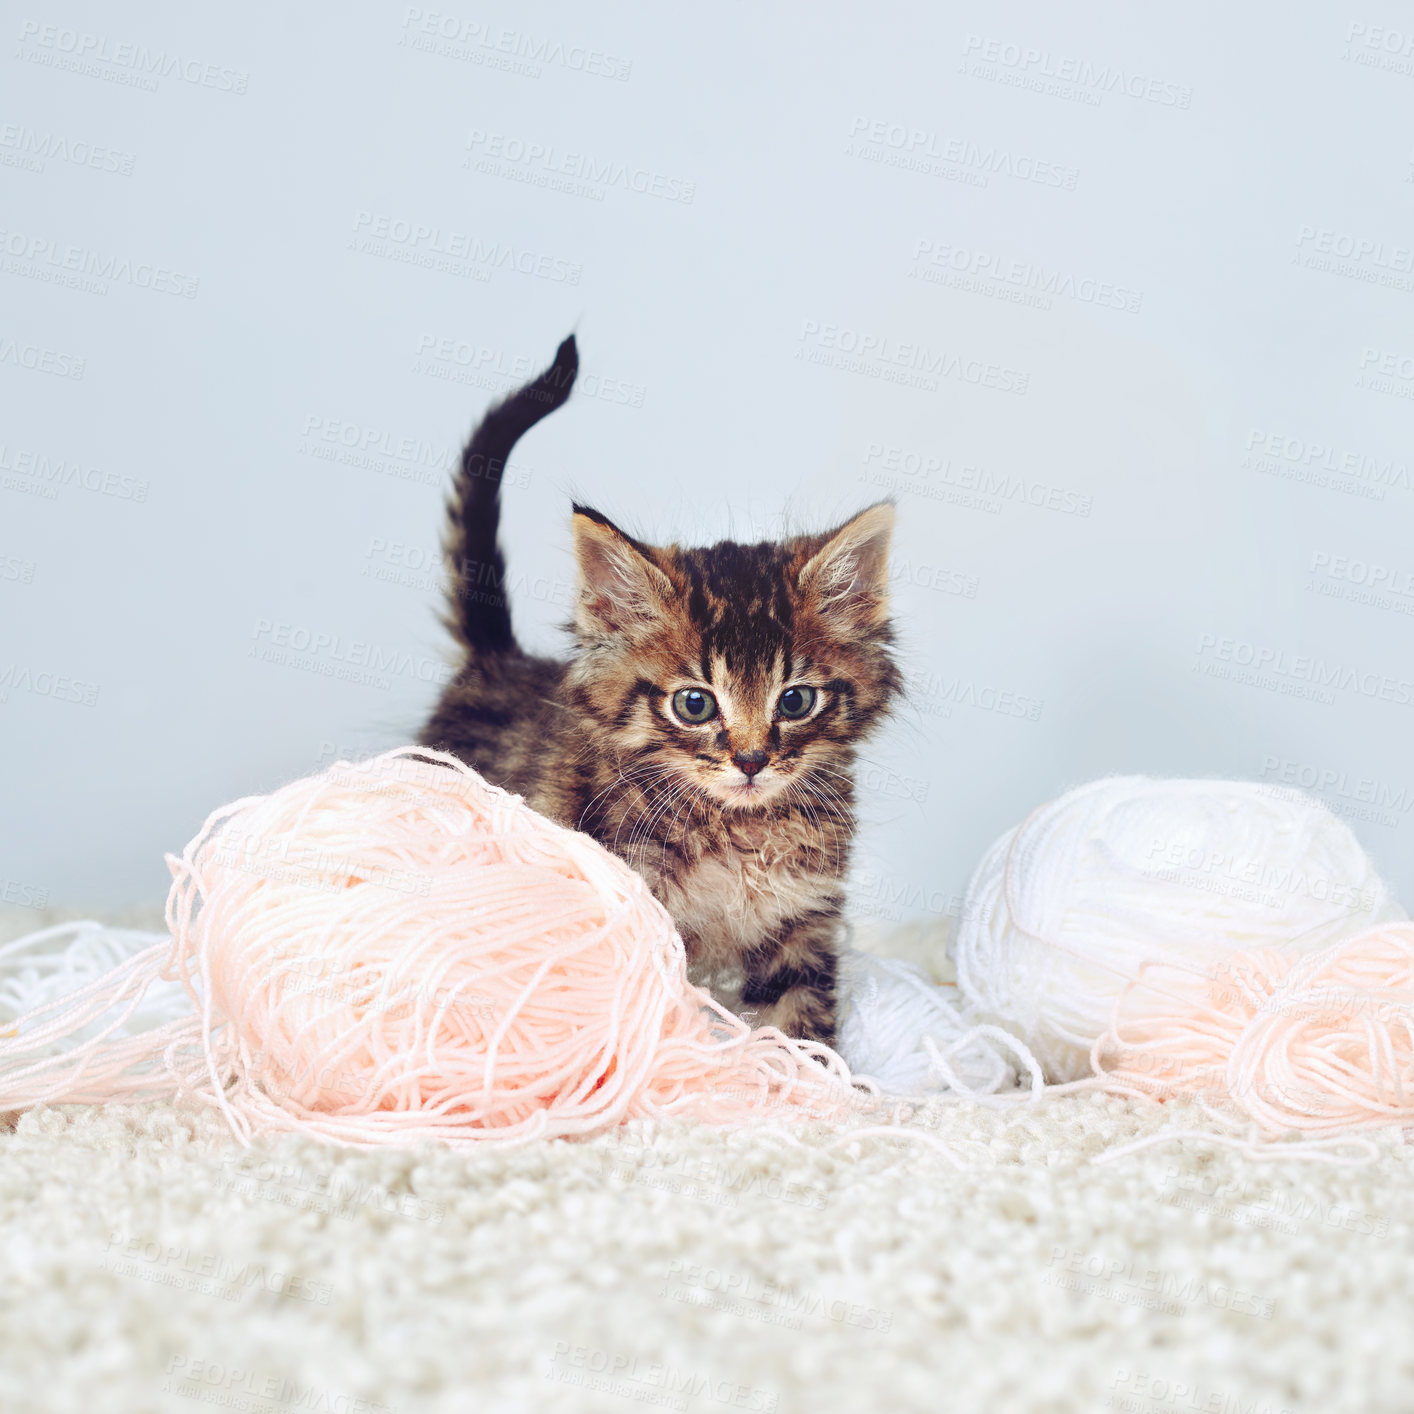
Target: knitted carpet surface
<point x="151" y="1263"/>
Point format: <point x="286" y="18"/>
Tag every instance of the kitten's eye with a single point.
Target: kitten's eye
<point x="694" y="706"/>
<point x="796" y="702"/>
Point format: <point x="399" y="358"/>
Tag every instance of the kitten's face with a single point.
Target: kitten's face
<point x="745" y="673"/>
<point x="744" y="730"/>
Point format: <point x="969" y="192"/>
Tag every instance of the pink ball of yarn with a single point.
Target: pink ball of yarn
<point x="396" y="950"/>
<point x="1321" y="1044"/>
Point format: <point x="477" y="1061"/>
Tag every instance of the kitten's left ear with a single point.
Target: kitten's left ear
<point x="848" y="577"/>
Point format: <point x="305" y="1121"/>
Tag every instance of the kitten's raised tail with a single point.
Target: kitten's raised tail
<point x="479" y="614"/>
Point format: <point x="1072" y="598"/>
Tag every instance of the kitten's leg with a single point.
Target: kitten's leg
<point x="790" y="978"/>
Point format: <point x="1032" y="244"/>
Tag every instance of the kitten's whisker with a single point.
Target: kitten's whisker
<point x="631" y="775"/>
<point x="648" y="804"/>
<point x="684" y="793"/>
<point x="828" y="786"/>
<point x="842" y="793"/>
<point x="642" y="833"/>
<point x="806" y="806"/>
<point x="840" y="839"/>
<point x="839" y="807"/>
<point x="668" y="834"/>
<point x="643" y="819"/>
<point x="621" y="778"/>
<point x="824" y="768"/>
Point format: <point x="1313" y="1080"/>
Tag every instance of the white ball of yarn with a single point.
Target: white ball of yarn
<point x="1063" y="908"/>
<point x="887" y="1008"/>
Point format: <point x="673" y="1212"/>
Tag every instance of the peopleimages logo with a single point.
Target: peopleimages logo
<point x="1088" y="77"/>
<point x="1379" y="47"/>
<point x="33" y="149"/>
<point x="1295" y="458"/>
<point x="1304" y="674"/>
<point x="902" y="469"/>
<point x="893" y="361"/>
<point x="23" y="895"/>
<point x="51" y="473"/>
<point x="451" y="37"/>
<point x="1350" y="569"/>
<point x="476" y="365"/>
<point x="38" y="359"/>
<point x="651" y="1382"/>
<point x="350" y="660"/>
<point x="1186" y="1396"/>
<point x="58" y="47"/>
<point x="39" y="257"/>
<point x="21" y="677"/>
<point x="580" y="173"/>
<point x="403" y="457"/>
<point x="1364" y="582"/>
<point x="1347" y="246"/>
<point x="456" y="252"/>
<point x="938" y="694"/>
<point x="1344" y="792"/>
<point x="232" y="1387"/>
<point x="1153" y="1287"/>
<point x="1386" y="371"/>
<point x="1254" y="878"/>
<point x="940" y="262"/>
<point x="1355" y="257"/>
<point x="934" y="154"/>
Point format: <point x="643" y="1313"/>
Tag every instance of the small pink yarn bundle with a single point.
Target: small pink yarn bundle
<point x="1320" y="1044"/>
<point x="395" y="950"/>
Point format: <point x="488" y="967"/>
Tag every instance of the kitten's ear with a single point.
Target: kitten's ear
<point x="620" y="589"/>
<point x="848" y="577"/>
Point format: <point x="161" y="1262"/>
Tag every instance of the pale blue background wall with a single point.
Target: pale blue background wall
<point x="1173" y="457"/>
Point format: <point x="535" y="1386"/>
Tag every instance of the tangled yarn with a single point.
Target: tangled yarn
<point x="909" y="1035"/>
<point x="396" y="950"/>
<point x="56" y="962"/>
<point x="1065" y="909"/>
<point x="1321" y="1044"/>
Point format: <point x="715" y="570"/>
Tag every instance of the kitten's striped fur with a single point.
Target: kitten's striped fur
<point x="749" y="858"/>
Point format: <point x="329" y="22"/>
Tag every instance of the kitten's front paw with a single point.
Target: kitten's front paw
<point x="801" y="1013"/>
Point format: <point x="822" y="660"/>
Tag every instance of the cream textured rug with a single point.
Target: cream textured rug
<point x="151" y="1264"/>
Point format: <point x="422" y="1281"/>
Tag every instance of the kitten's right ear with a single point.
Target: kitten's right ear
<point x="848" y="577"/>
<point x="621" y="591"/>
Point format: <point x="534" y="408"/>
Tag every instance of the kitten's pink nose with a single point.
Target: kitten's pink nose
<point x="749" y="762"/>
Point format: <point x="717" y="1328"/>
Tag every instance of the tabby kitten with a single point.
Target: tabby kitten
<point x="706" y="728"/>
